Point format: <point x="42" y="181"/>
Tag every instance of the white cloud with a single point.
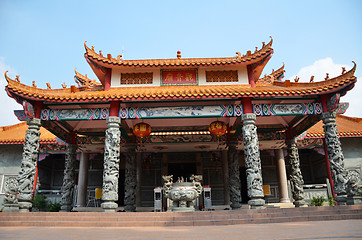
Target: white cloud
<point x="319" y="69"/>
<point x="8" y="105"/>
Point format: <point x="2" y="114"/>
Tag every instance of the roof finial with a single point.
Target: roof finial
<point x="256" y="49"/>
<point x="178" y="54"/>
<point x="327" y="76"/>
<point x="311" y="79"/>
<point x="238" y="54"/>
<point x="48" y="85"/>
<point x="93" y="48"/>
<point x="119" y="57"/>
<point x="100" y="53"/>
<point x="263" y="44"/>
<point x="343" y="70"/>
<point x="296" y="79"/>
<point x="34" y="84"/>
<point x="17" y="78"/>
<point x="64" y="85"/>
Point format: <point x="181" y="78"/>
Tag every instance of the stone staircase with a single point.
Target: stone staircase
<point x="205" y="218"/>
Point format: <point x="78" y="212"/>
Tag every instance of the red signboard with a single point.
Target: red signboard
<point x="179" y="77"/>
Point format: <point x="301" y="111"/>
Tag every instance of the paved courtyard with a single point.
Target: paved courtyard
<point x="343" y="229"/>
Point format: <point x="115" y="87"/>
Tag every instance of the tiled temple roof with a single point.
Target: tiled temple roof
<point x="268" y="80"/>
<point x="275" y="88"/>
<point x="15" y="134"/>
<point x="84" y="81"/>
<point x="248" y="58"/>
<point x="346" y="126"/>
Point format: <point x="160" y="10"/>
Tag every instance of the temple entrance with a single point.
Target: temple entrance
<point x="179" y="170"/>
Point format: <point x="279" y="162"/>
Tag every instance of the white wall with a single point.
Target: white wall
<point x="116" y="76"/>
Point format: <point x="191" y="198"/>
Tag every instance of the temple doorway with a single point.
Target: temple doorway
<point x="179" y="170"/>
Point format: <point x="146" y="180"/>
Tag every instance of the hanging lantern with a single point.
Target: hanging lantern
<point x="217" y="128"/>
<point x="142" y="130"/>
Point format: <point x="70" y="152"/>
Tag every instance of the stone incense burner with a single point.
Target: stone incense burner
<point x="182" y="194"/>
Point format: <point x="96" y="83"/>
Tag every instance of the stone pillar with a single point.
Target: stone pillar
<point x="335" y="156"/>
<point x="83" y="179"/>
<point x="111" y="165"/>
<point x="252" y="162"/>
<point x="130" y="181"/>
<point x="139" y="179"/>
<point x="234" y="176"/>
<point x="282" y="177"/>
<point x="28" y="165"/>
<point x="296" y="178"/>
<point x="69" y="179"/>
<point x="225" y="168"/>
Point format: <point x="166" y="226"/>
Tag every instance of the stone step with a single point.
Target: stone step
<point x="123" y="219"/>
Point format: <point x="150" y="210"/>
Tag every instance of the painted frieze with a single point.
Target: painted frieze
<point x="75" y="114"/>
<point x="287" y="109"/>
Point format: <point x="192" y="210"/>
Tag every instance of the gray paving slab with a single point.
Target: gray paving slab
<point x="342" y="229"/>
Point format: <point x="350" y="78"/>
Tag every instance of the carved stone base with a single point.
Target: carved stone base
<point x="235" y="206"/>
<point x="109" y="206"/>
<point x="11" y="208"/>
<point x="256" y="203"/>
<point x="341" y="199"/>
<point x="355" y="200"/>
<point x="130" y="208"/>
<point x="65" y="208"/>
<point x="25" y="206"/>
<point x="300" y="203"/>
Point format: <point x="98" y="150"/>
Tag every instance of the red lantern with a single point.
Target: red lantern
<point x="217" y="128"/>
<point x="142" y="130"/>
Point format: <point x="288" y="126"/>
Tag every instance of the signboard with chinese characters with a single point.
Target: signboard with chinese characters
<point x="179" y="77"/>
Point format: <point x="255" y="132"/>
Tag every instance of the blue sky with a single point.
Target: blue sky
<point x="42" y="41"/>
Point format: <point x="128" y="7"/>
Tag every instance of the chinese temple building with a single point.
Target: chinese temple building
<point x="215" y="117"/>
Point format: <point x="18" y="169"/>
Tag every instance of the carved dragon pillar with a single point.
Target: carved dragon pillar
<point x="252" y="162"/>
<point x="28" y="165"/>
<point x="234" y="176"/>
<point x="296" y="178"/>
<point x="130" y="182"/>
<point x="69" y="178"/>
<point x="335" y="156"/>
<point x="111" y="165"/>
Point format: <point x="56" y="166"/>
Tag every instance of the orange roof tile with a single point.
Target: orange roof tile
<point x="84" y="81"/>
<point x="346" y="126"/>
<point x="268" y="80"/>
<point x="276" y="88"/>
<point x="178" y="62"/>
<point x="15" y="134"/>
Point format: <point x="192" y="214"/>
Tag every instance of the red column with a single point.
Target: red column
<point x="114" y="109"/>
<point x="37" y="108"/>
<point x="247" y="105"/>
<point x="251" y="75"/>
<point x="107" y="81"/>
<point x="324" y="99"/>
